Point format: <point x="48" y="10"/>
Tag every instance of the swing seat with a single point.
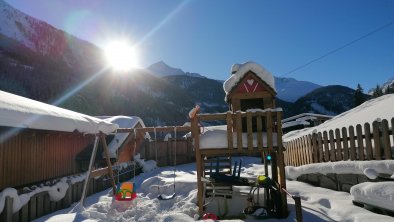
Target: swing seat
<point x="166" y="197"/>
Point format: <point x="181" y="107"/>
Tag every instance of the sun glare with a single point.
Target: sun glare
<point x="121" y="56"/>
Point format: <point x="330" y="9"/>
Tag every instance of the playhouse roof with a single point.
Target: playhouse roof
<point x="21" y="112"/>
<point x="238" y="72"/>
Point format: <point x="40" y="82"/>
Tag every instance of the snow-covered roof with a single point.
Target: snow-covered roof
<point x="21" y="112"/>
<point x="123" y="122"/>
<point x="239" y="70"/>
<point x="371" y="110"/>
<point x="295" y="123"/>
<point x="303" y="115"/>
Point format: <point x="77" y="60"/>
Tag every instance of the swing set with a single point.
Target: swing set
<point x="126" y="191"/>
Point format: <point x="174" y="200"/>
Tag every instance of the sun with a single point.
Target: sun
<point x="121" y="56"/>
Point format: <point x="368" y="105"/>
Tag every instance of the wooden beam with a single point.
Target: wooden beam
<point x="92" y="158"/>
<point x="107" y="159"/>
<point x="99" y="172"/>
<point x="199" y="164"/>
<point x="158" y="129"/>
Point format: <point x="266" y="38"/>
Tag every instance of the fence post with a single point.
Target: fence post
<point x="376" y="140"/>
<point x="6" y="215"/>
<point x="33" y="207"/>
<point x="298" y="208"/>
<point x="386" y="140"/>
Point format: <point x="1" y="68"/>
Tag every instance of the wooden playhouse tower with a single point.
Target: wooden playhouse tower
<point x="253" y="125"/>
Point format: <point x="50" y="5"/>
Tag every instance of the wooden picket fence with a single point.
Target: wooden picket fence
<point x="40" y="204"/>
<point x="352" y="143"/>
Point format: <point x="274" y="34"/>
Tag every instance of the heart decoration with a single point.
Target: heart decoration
<point x="250" y="82"/>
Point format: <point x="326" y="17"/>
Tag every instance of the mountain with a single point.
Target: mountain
<point x="48" y="41"/>
<point x="161" y="69"/>
<point x="290" y="89"/>
<point x="41" y="62"/>
<point x="207" y="93"/>
<point x="389" y="84"/>
<point x="329" y="100"/>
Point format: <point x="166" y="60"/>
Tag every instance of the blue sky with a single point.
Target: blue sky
<point x="208" y="36"/>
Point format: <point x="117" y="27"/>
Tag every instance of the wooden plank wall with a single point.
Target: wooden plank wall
<point x="33" y="156"/>
<point x="360" y="142"/>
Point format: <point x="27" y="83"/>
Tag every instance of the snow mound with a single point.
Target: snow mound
<point x="342" y="167"/>
<point x="378" y="194"/>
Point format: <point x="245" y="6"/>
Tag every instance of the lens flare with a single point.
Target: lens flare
<point x="121" y="56"/>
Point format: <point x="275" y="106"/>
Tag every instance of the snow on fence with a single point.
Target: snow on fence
<point x="41" y="202"/>
<point x="352" y="143"/>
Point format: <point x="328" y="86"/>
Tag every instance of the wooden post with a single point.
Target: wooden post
<point x="376" y="140"/>
<point x="326" y="147"/>
<point x="107" y="159"/>
<point x="338" y="144"/>
<point x="352" y="143"/>
<point x="360" y="142"/>
<point x="6" y="215"/>
<point x="196" y="136"/>
<point x="298" y="208"/>
<point x="249" y="130"/>
<point x="386" y="140"/>
<point x="229" y="120"/>
<point x="368" y="141"/>
<point x="239" y="130"/>
<point x="280" y="163"/>
<point x="345" y="144"/>
<point x="92" y="158"/>
<point x="332" y="146"/>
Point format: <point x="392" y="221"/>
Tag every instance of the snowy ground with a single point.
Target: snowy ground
<point x="319" y="204"/>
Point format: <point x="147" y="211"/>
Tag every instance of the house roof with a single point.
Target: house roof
<point x="123" y="122"/>
<point x="21" y="112"/>
<point x="240" y="70"/>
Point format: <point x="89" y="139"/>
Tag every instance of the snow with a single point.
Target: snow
<point x="215" y="137"/>
<point x="319" y="204"/>
<point x="369" y="111"/>
<point x="17" y="111"/>
<point x="378" y="194"/>
<point x="56" y="193"/>
<point x="306" y="116"/>
<point x="295" y="123"/>
<point x="122" y="122"/>
<point x="342" y="167"/>
<point x="239" y="70"/>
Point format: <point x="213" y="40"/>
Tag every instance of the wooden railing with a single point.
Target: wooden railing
<point x="265" y="124"/>
<point x="352" y="143"/>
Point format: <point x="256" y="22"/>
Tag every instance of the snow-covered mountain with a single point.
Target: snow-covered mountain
<point x="161" y="69"/>
<point x="46" y="40"/>
<point x="290" y="89"/>
<point x="389" y="83"/>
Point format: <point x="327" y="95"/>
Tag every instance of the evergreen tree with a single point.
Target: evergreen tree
<point x="377" y="91"/>
<point x="390" y="89"/>
<point x="359" y="96"/>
